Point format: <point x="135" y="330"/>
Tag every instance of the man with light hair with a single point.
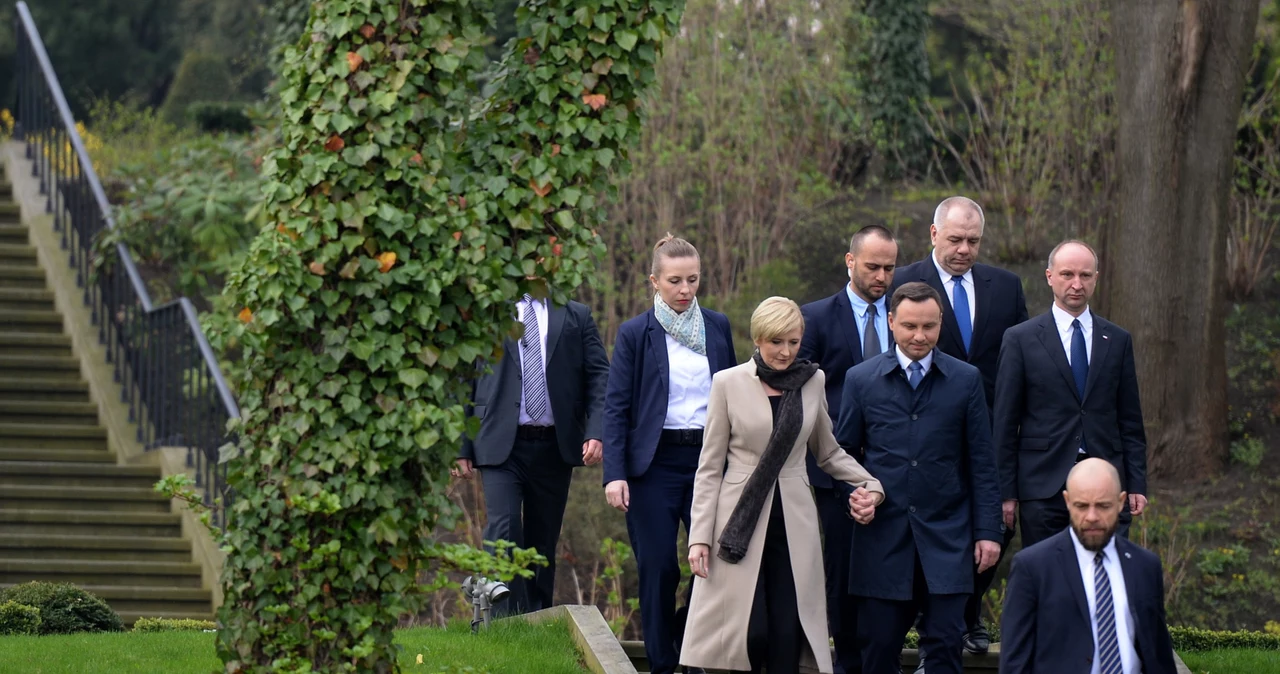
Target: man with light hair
<point x="1108" y="616"/>
<point x="981" y="302"/>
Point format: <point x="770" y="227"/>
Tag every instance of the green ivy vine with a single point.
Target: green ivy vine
<point x="407" y="210"/>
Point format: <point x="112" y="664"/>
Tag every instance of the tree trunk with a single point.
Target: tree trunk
<point x="1180" y="67"/>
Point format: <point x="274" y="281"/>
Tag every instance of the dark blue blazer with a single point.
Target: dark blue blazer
<point x="931" y="450"/>
<point x="1046" y="628"/>
<point x="1001" y="305"/>
<point x="635" y="402"/>
<point x="1039" y="416"/>
<point x="832" y="341"/>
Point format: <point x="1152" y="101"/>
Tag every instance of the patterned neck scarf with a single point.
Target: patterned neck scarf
<point x="687" y="328"/>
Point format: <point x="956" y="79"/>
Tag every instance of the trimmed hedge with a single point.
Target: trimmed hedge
<point x="18" y="619"/>
<point x="64" y="608"/>
<point x="172" y="625"/>
<point x="1195" y="639"/>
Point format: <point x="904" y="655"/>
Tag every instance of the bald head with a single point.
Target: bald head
<point x="1094" y="501"/>
<point x="1094" y="474"/>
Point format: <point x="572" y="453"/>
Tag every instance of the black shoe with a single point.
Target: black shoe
<point x="694" y="670"/>
<point x="920" y="667"/>
<point x="977" y="640"/>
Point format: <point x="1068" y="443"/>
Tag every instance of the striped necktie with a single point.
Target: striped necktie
<point x="533" y="376"/>
<point x="1105" y="614"/>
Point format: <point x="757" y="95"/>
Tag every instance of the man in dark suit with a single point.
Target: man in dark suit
<point x="840" y="332"/>
<point x="1086" y="600"/>
<point x="540" y="415"/>
<point x="980" y="303"/>
<point x="1067" y="390"/>
<point x="920" y="420"/>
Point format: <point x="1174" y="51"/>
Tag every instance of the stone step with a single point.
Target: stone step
<point x="117" y="573"/>
<point x="22" y="277"/>
<point x="66" y="474"/>
<point x="114" y="499"/>
<point x="44" y="436"/>
<point x="12" y="320"/>
<point x="43" y="367"/>
<point x="26" y="299"/>
<point x="48" y="412"/>
<point x="90" y="523"/>
<point x="90" y="548"/>
<point x="11" y="253"/>
<point x="15" y="234"/>
<point x="41" y="388"/>
<point x="33" y="344"/>
<point x="98" y="456"/>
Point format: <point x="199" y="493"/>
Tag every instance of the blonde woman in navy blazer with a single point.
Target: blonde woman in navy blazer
<point x="654" y="412"/>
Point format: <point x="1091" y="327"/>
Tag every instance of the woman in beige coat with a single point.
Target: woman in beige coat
<point x="761" y="603"/>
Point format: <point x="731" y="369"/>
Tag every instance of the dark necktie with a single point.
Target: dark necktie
<point x="1079" y="357"/>
<point x="870" y="336"/>
<point x="960" y="302"/>
<point x="1105" y="613"/>
<point x="533" y="378"/>
<point x="915" y="372"/>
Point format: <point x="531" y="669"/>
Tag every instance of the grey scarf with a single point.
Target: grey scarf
<point x="742" y="523"/>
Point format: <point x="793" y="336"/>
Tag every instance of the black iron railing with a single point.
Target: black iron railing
<point x="166" y="370"/>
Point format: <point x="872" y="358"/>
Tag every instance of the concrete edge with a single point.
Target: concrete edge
<point x="104" y="391"/>
<point x="600" y="649"/>
<point x="1182" y="666"/>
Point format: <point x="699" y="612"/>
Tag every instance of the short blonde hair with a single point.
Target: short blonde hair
<point x="775" y="317"/>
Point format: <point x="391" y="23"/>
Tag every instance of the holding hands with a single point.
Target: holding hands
<point x="862" y="505"/>
<point x="699" y="559"/>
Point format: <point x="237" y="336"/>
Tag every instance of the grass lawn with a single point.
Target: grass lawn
<point x="1242" y="661"/>
<point x="507" y="647"/>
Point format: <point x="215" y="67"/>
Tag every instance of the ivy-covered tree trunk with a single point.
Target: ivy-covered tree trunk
<point x="405" y="215"/>
<point x="896" y="79"/>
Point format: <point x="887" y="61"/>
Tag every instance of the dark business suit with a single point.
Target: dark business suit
<point x="1040" y="419"/>
<point x="831" y="339"/>
<point x="526" y="471"/>
<point x="659" y="474"/>
<point x="1001" y="305"/>
<point x="1046" y="626"/>
<point x="931" y="450"/>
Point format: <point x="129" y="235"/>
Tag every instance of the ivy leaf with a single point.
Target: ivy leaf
<point x="412" y="377"/>
<point x="626" y="39"/>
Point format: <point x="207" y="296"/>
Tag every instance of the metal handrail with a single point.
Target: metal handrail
<point x="168" y="373"/>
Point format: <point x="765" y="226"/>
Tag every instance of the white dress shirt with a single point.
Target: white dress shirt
<point x="689" y="377"/>
<point x="1119" y="598"/>
<point x="539" y="308"/>
<point x="905" y="362"/>
<point x="949" y="283"/>
<point x="1063" y="320"/>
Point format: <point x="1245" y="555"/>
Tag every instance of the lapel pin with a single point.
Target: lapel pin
<point x="1126" y="556"/>
<point x="1105" y="337"/>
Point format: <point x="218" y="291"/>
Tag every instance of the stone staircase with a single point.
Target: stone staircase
<point x="68" y="512"/>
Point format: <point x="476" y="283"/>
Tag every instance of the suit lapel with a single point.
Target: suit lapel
<point x="657" y="338"/>
<point x="555" y="326"/>
<point x="1132" y="579"/>
<point x="948" y="312"/>
<point x="848" y="324"/>
<point x="1071" y="572"/>
<point x="1101" y="344"/>
<point x="1052" y="343"/>
<point x="712" y="342"/>
<point x="982" y="295"/>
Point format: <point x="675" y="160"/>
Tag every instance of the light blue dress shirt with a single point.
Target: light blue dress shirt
<point x="860" y="316"/>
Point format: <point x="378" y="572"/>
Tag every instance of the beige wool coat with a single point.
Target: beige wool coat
<point x="739" y="421"/>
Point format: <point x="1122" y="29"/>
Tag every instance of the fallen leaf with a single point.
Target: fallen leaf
<point x="541" y="191"/>
<point x="555" y="149"/>
<point x="419" y="658"/>
<point x="335" y="143"/>
<point x="354" y="61"/>
<point x="386" y="261"/>
<point x="457" y="236"/>
<point x="367" y="31"/>
<point x="596" y="101"/>
<point x="316" y="268"/>
<point x="246" y="315"/>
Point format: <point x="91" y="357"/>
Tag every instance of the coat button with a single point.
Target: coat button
<point x="914" y="417"/>
<point x="912" y="508"/>
<point x="1081" y="412"/>
<point x="913" y="463"/>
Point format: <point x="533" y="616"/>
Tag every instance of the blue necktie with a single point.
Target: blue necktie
<point x="960" y="302"/>
<point x="914" y="374"/>
<point x="533" y="378"/>
<point x="1105" y="614"/>
<point x="1079" y="357"/>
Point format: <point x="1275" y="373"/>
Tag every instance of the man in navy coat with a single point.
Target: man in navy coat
<point x="919" y="419"/>
<point x="980" y="303"/>
<point x="839" y="332"/>
<point x="1086" y="600"/>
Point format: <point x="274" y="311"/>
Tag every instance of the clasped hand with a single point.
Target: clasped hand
<point x="862" y="505"/>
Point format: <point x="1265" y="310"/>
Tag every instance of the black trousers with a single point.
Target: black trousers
<point x="1042" y="518"/>
<point x="842" y="608"/>
<point x="982" y="582"/>
<point x="525" y="498"/>
<point x="775" y="638"/>
<point x="660" y="501"/>
<point x="883" y="626"/>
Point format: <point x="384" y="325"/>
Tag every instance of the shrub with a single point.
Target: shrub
<point x="17" y="619"/>
<point x="1248" y="450"/>
<point x="172" y="625"/>
<point x="64" y="608"/>
<point x="200" y="77"/>
<point x="1195" y="639"/>
<point x="220" y="117"/>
